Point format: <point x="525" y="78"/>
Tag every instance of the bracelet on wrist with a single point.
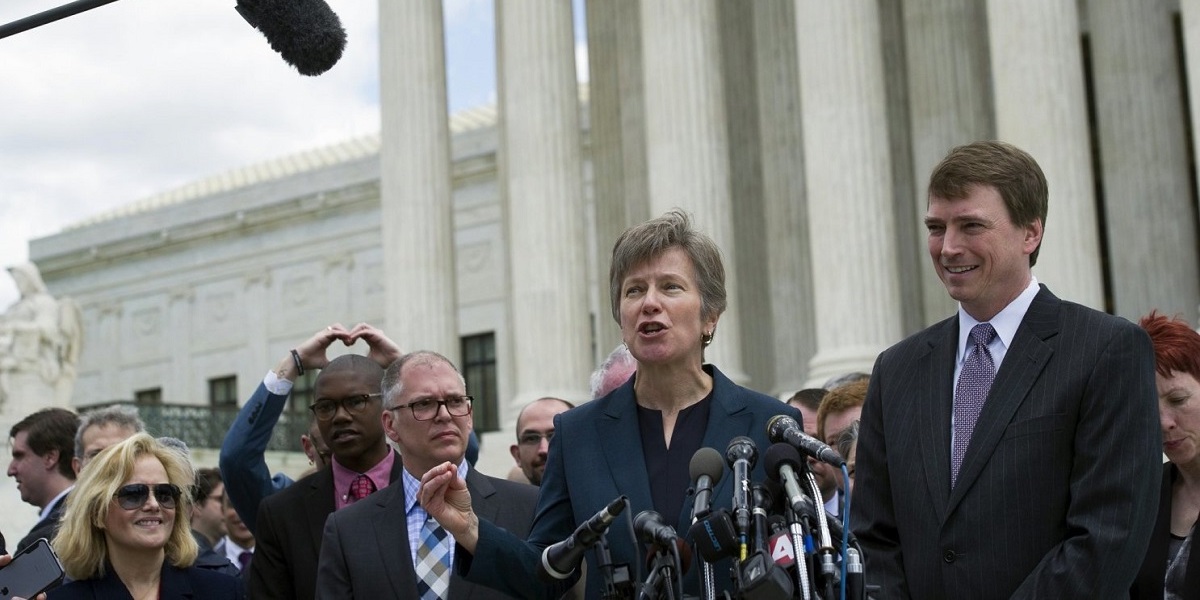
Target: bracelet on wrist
<point x="296" y="361"/>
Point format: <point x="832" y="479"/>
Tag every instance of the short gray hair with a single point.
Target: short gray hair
<point x="121" y="415"/>
<point x="391" y="385"/>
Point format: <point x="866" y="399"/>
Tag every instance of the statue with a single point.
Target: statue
<point x="40" y="339"/>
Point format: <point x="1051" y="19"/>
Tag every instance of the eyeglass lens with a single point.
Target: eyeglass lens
<point x="534" y="438"/>
<point x="428" y="408"/>
<point x="325" y="408"/>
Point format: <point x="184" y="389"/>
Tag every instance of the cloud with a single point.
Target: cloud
<point x="140" y="96"/>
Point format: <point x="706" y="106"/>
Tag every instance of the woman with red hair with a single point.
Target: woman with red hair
<point x="1172" y="569"/>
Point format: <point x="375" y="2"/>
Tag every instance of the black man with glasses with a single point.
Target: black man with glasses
<point x="387" y="547"/>
<point x="347" y="408"/>
<point x="243" y="466"/>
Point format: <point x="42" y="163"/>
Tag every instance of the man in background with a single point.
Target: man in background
<point x="42" y="447"/>
<point x="101" y="428"/>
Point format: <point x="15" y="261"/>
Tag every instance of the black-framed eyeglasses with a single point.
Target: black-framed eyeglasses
<point x="534" y="438"/>
<point x="134" y="495"/>
<point x="425" y="409"/>
<point x="325" y="408"/>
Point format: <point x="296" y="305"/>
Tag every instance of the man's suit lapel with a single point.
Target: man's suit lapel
<point x="1023" y="363"/>
<point x="935" y="382"/>
<point x="318" y="503"/>
<point x="482" y="491"/>
<point x="390" y="524"/>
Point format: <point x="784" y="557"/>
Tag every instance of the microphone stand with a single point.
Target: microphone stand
<point x="662" y="577"/>
<point x="827" y="568"/>
<point x="617" y="585"/>
<point x="796" y="532"/>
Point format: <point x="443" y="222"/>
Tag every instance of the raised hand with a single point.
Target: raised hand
<point x="312" y="352"/>
<point x="445" y="497"/>
<point x="381" y="349"/>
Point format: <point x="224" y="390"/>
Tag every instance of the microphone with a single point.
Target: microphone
<point x="782" y="462"/>
<point x="651" y="529"/>
<point x="306" y="33"/>
<point x="741" y="456"/>
<point x="560" y="560"/>
<point x="782" y="428"/>
<point x="715" y="536"/>
<point x="705" y="469"/>
<point x="762" y="499"/>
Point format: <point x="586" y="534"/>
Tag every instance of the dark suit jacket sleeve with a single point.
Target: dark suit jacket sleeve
<point x="874" y="515"/>
<point x="505" y="562"/>
<point x="243" y="468"/>
<point x="270" y="575"/>
<point x="1114" y="485"/>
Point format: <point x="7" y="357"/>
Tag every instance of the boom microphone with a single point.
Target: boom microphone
<point x="705" y="469"/>
<point x="561" y="559"/>
<point x="782" y="428"/>
<point x="306" y="33"/>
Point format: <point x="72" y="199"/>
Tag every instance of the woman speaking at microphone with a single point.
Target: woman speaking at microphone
<point x="667" y="288"/>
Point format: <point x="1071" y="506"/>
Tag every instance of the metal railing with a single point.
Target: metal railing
<point x="205" y="426"/>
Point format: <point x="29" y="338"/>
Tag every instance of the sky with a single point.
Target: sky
<point x="139" y="97"/>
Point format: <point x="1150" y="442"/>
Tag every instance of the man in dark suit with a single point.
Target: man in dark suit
<point x="1007" y="451"/>
<point x="374" y="549"/>
<point x="347" y="408"/>
<point x="243" y="466"/>
<point x="43" y="445"/>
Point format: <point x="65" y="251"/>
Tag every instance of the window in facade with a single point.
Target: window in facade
<point x="479" y="369"/>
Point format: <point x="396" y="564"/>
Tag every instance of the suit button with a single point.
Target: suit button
<point x="948" y="556"/>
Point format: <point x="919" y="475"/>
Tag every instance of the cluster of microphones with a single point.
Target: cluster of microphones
<point x="783" y="543"/>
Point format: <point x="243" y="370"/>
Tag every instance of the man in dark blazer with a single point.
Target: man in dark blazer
<point x="1056" y="491"/>
<point x="43" y="445"/>
<point x="367" y="551"/>
<point x="347" y="406"/>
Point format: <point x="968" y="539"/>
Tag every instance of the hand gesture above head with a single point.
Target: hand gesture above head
<point x="382" y="350"/>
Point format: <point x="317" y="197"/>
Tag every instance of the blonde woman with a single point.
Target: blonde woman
<point x="125" y="535"/>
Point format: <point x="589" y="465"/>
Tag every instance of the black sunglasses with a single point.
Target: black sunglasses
<point x="134" y="495"/>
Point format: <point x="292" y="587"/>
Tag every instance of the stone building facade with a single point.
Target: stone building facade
<point x="799" y="133"/>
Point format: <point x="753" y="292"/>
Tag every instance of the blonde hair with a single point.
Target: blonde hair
<point x="81" y="539"/>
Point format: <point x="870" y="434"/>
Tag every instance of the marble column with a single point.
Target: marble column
<point x="1038" y="84"/>
<point x="687" y="143"/>
<point x="740" y="79"/>
<point x="848" y="169"/>
<point x="618" y="142"/>
<point x="789" y="288"/>
<point x="416" y="205"/>
<point x="1147" y="188"/>
<point x="1190" y="15"/>
<point x="945" y="44"/>
<point x="542" y="175"/>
